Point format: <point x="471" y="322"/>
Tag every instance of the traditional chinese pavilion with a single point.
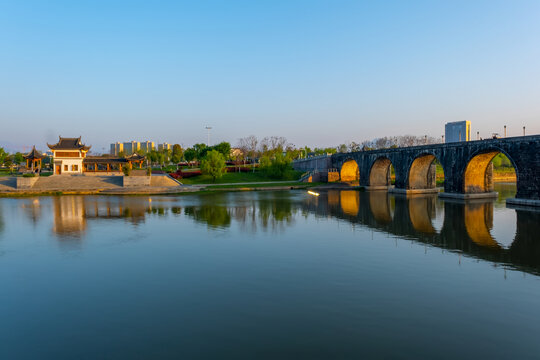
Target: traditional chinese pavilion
<point x="33" y="159"/>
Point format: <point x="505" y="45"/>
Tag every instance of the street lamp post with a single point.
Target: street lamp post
<point x="208" y="128"/>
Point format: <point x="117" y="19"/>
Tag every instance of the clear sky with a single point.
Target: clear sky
<point x="317" y="72"/>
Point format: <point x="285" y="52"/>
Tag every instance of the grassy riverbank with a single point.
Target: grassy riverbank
<point x="237" y="177"/>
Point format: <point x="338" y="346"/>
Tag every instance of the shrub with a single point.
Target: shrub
<point x="29" y="175"/>
<point x="127" y="170"/>
<point x="148" y="172"/>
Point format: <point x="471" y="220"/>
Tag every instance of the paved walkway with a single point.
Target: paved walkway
<point x="7" y="183"/>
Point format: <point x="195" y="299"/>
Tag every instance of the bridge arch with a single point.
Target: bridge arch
<point x="422" y="172"/>
<point x="349" y="171"/>
<point x="478" y="172"/>
<point x="379" y="173"/>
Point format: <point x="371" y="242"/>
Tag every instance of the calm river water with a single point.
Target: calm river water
<point x="268" y="275"/>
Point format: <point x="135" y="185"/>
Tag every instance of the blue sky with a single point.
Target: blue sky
<point x="316" y="72"/>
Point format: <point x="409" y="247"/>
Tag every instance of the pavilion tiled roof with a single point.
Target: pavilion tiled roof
<point x="135" y="157"/>
<point x="34" y="154"/>
<point x="69" y="144"/>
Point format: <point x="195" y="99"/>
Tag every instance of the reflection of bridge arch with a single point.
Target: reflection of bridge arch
<point x="466" y="226"/>
<point x="349" y="171"/>
<point x="478" y="222"/>
<point x="350" y="202"/>
<point x="478" y="174"/>
<point x="379" y="204"/>
<point x="421" y="174"/>
<point x="379" y="174"/>
<point x="421" y="211"/>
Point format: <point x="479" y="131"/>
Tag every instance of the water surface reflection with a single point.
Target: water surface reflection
<point x="467" y="227"/>
<point x="266" y="275"/>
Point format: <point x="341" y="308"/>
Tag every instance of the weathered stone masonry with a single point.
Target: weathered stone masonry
<point x="467" y="165"/>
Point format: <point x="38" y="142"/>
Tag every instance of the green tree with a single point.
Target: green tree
<point x="153" y="157"/>
<point x="177" y="153"/>
<point x="3" y="156"/>
<point x="8" y="161"/>
<point x="18" y="158"/>
<point x="278" y="167"/>
<point x="213" y="164"/>
<point x="224" y="148"/>
<point x="190" y="154"/>
<point x="199" y="150"/>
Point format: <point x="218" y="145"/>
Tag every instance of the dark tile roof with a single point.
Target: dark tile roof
<point x="69" y="144"/>
<point x="34" y="154"/>
<point x="135" y="157"/>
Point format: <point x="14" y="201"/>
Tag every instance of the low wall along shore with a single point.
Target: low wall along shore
<point x="25" y="182"/>
<point x="130" y="181"/>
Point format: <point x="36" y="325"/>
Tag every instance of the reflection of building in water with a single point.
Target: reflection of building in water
<point x="32" y="209"/>
<point x="71" y="213"/>
<point x="69" y="217"/>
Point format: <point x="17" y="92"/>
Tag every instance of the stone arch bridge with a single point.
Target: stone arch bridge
<point x="467" y="168"/>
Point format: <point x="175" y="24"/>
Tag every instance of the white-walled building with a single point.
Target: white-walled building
<point x="68" y="155"/>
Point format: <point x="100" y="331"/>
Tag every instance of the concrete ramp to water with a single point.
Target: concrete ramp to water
<point x="163" y="181"/>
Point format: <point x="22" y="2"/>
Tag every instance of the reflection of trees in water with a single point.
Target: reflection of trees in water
<point x="265" y="212"/>
<point x="274" y="212"/>
<point x="214" y="216"/>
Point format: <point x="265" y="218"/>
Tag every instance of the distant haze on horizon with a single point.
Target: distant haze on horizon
<point x="319" y="73"/>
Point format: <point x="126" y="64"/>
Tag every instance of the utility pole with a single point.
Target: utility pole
<point x="208" y="128"/>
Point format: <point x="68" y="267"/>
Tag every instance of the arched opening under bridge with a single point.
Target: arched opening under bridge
<point x="486" y="168"/>
<point x="380" y="174"/>
<point x="425" y="172"/>
<point x="349" y="171"/>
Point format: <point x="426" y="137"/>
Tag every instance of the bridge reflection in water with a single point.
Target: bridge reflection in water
<point x="466" y="227"/>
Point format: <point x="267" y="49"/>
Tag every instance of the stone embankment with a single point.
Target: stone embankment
<point x="80" y="184"/>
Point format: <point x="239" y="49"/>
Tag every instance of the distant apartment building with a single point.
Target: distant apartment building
<point x="131" y="147"/>
<point x="116" y="148"/>
<point x="164" y="146"/>
<point x="457" y="131"/>
<point x="147" y="146"/>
